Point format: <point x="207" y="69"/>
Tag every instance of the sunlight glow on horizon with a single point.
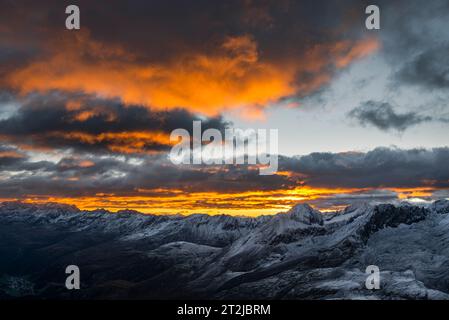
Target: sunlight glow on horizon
<point x="251" y="203"/>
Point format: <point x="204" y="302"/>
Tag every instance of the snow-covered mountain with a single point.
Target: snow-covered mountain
<point x="300" y="254"/>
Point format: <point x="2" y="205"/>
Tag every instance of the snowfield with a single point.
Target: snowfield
<point x="300" y="254"/>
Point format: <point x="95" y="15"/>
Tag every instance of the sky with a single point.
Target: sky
<point x="86" y="115"/>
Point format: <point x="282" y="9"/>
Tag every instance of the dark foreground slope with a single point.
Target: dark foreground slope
<point x="301" y="254"/>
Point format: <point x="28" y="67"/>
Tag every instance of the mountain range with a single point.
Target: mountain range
<point x="299" y="254"/>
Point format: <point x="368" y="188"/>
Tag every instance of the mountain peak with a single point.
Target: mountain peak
<point x="306" y="214"/>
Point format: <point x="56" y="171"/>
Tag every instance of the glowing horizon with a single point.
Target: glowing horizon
<point x="252" y="203"/>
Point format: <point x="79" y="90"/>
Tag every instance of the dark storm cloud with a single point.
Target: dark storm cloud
<point x="85" y="123"/>
<point x="415" y="42"/>
<point x="382" y="116"/>
<point x="429" y="69"/>
<point x="381" y="167"/>
<point x="160" y="28"/>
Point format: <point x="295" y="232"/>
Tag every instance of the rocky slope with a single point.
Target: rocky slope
<point x="300" y="254"/>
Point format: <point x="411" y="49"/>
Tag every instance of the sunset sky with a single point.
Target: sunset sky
<point x="86" y="115"/>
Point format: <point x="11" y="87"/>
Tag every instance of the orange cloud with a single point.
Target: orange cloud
<point x="405" y="193"/>
<point x="359" y="50"/>
<point x="123" y="142"/>
<point x="235" y="76"/>
<point x="86" y="164"/>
